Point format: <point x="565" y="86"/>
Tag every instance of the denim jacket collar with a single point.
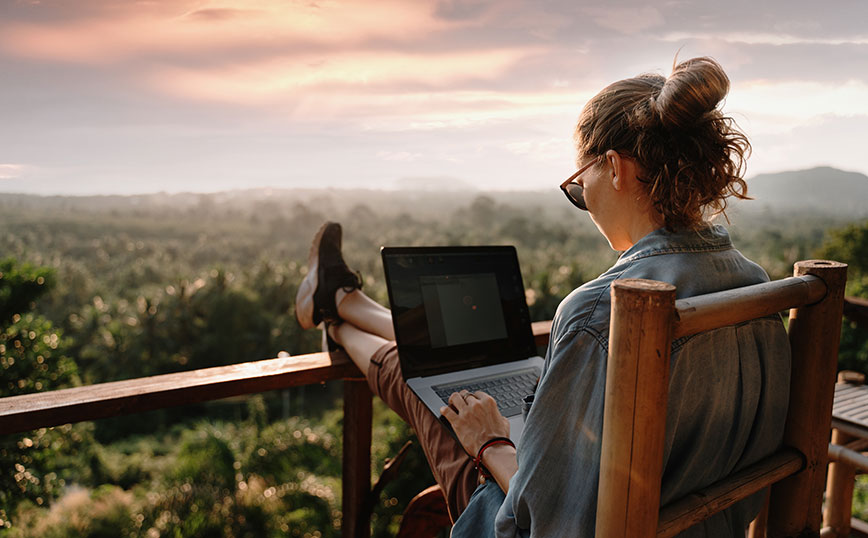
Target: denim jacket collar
<point x="662" y="241"/>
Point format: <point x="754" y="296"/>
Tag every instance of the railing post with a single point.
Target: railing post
<point x="356" y="478"/>
<point x="634" y="419"/>
<point x="815" y="333"/>
<point x="839" y="490"/>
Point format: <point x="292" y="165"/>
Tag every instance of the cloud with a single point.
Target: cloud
<point x="765" y="38"/>
<point x="627" y="20"/>
<point x="401" y="156"/>
<point x="185" y="30"/>
<point x="464" y="110"/>
<point x="558" y="149"/>
<point x="11" y="171"/>
<point x="826" y="140"/>
<point x="462" y="9"/>
<point x="222" y="93"/>
<point x="372" y="72"/>
<point x="218" y="14"/>
<point x="790" y="103"/>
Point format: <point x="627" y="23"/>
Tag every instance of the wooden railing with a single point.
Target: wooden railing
<point x="856" y="310"/>
<point x="38" y="410"/>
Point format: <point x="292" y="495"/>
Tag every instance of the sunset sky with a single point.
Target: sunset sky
<point x="101" y="96"/>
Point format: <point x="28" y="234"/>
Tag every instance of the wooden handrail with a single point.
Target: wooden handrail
<point x="41" y="409"/>
<point x="52" y="408"/>
<point x="856" y="310"/>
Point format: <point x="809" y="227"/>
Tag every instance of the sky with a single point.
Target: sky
<point x="122" y="97"/>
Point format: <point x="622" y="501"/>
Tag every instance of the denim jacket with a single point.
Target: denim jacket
<point x="727" y="404"/>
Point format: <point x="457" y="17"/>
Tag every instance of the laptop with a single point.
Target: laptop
<point x="461" y="322"/>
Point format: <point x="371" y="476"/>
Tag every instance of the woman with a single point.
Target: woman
<point x="657" y="159"/>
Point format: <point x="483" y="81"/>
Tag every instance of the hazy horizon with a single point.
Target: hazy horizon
<point x="396" y="187"/>
<point x="218" y="95"/>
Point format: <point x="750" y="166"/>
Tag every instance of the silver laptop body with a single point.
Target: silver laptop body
<point x="461" y="321"/>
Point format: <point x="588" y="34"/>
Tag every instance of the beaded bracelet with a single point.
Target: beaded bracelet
<point x="477" y="461"/>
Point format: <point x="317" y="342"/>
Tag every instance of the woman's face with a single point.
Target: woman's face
<point x="599" y="197"/>
<point x="616" y="201"/>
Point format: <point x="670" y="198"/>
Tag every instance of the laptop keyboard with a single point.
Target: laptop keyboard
<point x="507" y="390"/>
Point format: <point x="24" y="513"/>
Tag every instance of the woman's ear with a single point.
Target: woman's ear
<point x="618" y="168"/>
<point x="624" y="170"/>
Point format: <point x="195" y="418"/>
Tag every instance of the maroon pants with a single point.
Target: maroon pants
<point x="452" y="467"/>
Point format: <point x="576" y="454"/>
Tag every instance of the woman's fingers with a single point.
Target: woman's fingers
<point x="449" y="413"/>
<point x="484" y="397"/>
<point x="458" y="400"/>
<point x="463" y="399"/>
<point x="474" y="418"/>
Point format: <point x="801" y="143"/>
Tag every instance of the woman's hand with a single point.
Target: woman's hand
<point x="475" y="418"/>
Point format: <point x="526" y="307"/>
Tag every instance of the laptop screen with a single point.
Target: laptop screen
<point x="457" y="307"/>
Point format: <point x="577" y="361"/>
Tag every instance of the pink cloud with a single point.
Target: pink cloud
<point x="370" y="72"/>
<point x="11" y="171"/>
<point x="183" y="28"/>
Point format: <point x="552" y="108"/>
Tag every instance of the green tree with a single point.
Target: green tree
<point x="20" y="285"/>
<point x="36" y="465"/>
<point x="849" y="244"/>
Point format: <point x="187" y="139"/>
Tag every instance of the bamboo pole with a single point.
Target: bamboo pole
<point x="839" y="488"/>
<point x="634" y="423"/>
<point x="356" y="475"/>
<point x="814" y="331"/>
<point x="729" y="307"/>
<point x="849" y="456"/>
<point x="847" y="427"/>
<point x="699" y="505"/>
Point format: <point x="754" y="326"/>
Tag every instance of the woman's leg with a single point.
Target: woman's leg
<point x="367" y="326"/>
<point x="377" y="357"/>
<point x="451" y="466"/>
<point x="365" y="313"/>
<point x="360" y="345"/>
<point x="364" y="329"/>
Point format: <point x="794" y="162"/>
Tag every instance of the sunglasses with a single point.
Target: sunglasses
<point x="573" y="190"/>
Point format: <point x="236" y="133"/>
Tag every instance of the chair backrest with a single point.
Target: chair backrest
<point x="645" y="319"/>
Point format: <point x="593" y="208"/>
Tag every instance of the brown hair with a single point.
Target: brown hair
<point x="691" y="156"/>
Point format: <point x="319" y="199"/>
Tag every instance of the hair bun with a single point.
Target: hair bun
<point x="694" y="88"/>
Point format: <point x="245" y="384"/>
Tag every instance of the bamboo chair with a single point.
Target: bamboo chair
<point x="645" y="319"/>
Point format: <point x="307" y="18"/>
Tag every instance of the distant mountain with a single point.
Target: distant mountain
<point x="818" y="190"/>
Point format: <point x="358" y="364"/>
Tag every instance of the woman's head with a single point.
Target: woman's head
<point x="689" y="156"/>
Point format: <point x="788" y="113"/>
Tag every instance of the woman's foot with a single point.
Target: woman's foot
<point x="328" y="342"/>
<point x="327" y="273"/>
